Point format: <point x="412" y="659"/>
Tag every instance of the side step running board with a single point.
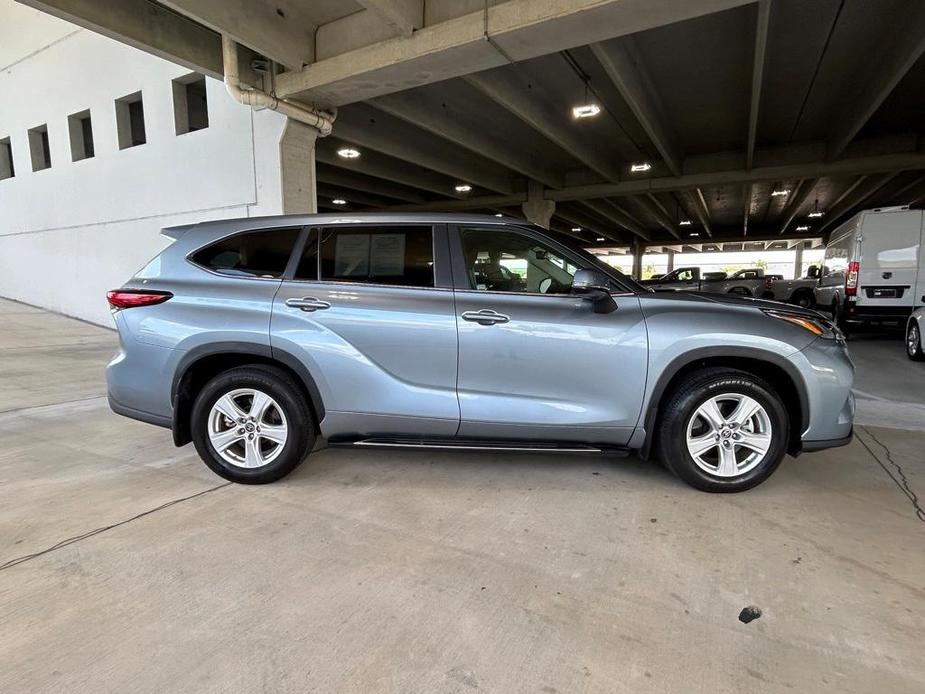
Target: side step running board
<point x="481" y="445"/>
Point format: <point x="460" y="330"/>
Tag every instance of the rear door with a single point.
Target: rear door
<point x="368" y="309"/>
<point x="890" y="252"/>
<point x="536" y="362"/>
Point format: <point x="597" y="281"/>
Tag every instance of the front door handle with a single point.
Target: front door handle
<point x="485" y="317"/>
<point x="308" y="303"/>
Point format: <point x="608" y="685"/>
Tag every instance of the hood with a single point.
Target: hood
<point x="735" y="300"/>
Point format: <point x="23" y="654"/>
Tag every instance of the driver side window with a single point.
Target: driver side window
<point x="505" y="261"/>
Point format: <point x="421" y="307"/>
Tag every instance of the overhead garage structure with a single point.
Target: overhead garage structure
<point x="719" y="120"/>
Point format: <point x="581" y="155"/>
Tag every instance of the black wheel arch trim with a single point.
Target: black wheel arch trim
<point x="684" y="360"/>
<point x="180" y="433"/>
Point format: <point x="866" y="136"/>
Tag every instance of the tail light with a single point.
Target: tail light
<point x="851" y="278"/>
<point x="130" y="298"/>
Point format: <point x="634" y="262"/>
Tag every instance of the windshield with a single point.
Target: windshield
<point x="592" y="260"/>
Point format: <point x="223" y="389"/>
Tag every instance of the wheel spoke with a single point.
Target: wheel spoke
<point x="755" y="441"/>
<point x="744" y="411"/>
<point x="252" y="456"/>
<point x="222" y="439"/>
<point x="259" y="405"/>
<point x="274" y="433"/>
<point x="727" y="462"/>
<point x="229" y="408"/>
<point x="710" y="412"/>
<point x="701" y="444"/>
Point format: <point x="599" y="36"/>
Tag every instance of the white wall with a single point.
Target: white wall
<point x="71" y="232"/>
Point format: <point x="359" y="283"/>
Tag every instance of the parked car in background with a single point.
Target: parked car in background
<point x="253" y="337"/>
<point x="873" y="268"/>
<point x="800" y="292"/>
<point x="748" y="282"/>
<point x="915" y="327"/>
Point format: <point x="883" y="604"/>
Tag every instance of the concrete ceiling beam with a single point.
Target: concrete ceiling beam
<point x="815" y="169"/>
<point x="422" y="111"/>
<point x="376" y="130"/>
<point x="623" y="63"/>
<point x="854" y="198"/>
<point x="372" y="163"/>
<point x="404" y="16"/>
<point x="618" y="216"/>
<point x="479" y="203"/>
<point x="797" y="198"/>
<point x="758" y="61"/>
<point x="518" y="29"/>
<point x="281" y="30"/>
<point x="506" y="90"/>
<point x="895" y="56"/>
<point x="145" y="26"/>
<point x="352" y="181"/>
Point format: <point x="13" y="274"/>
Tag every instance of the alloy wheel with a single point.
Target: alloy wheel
<point x="912" y="340"/>
<point x="729" y="435"/>
<point x="247" y="428"/>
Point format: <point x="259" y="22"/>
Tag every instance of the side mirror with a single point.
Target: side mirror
<point x="813" y="272"/>
<point x="594" y="286"/>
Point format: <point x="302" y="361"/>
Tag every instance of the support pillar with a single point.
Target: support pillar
<point x="670" y="254"/>
<point x="639" y="250"/>
<point x="537" y="209"/>
<point x="297" y="168"/>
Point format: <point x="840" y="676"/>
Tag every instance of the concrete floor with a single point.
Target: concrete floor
<point x="441" y="572"/>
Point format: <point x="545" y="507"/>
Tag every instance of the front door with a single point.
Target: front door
<point x="365" y="312"/>
<point x="535" y="361"/>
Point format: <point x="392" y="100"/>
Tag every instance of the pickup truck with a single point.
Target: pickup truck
<point x="748" y="282"/>
<point x="800" y="291"/>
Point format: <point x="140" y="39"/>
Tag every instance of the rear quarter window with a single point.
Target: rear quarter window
<point x="251" y="254"/>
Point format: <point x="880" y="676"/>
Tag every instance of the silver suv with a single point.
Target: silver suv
<point x="254" y="337"/>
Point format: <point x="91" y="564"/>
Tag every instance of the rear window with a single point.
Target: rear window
<point x="251" y="254"/>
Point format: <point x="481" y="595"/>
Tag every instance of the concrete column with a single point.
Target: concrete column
<point x="297" y="168"/>
<point x="670" y="254"/>
<point x="638" y="251"/>
<point x="537" y="209"/>
<point x="798" y="261"/>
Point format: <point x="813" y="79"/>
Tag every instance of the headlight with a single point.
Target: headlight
<point x="817" y="325"/>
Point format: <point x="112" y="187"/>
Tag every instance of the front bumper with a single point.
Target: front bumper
<point x="810" y="446"/>
<point x="828" y="375"/>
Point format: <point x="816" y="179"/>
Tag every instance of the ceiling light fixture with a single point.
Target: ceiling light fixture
<point x="779" y="192"/>
<point x="576" y="229"/>
<point x="637" y="168"/>
<point x="601" y="238"/>
<point x="339" y="201"/>
<point x="695" y="233"/>
<point x="803" y="228"/>
<point x="463" y="187"/>
<point x="348" y="153"/>
<point x="586" y="111"/>
<point x="498" y="214"/>
<point x="685" y="222"/>
<point x="816" y="211"/>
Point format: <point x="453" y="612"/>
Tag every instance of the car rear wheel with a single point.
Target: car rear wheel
<point x="251" y="424"/>
<point x="723" y="430"/>
<point x="914" y="342"/>
<point x="803" y="299"/>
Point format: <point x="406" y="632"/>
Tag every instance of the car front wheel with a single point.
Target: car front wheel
<point x="723" y="430"/>
<point x="914" y="342"/>
<point x="251" y="424"/>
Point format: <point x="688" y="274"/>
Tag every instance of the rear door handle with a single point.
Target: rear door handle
<point x="308" y="303"/>
<point x="485" y="317"/>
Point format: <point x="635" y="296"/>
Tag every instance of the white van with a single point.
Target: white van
<point x="874" y="267"/>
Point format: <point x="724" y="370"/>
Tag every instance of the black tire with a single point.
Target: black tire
<point x="914" y="342"/>
<point x="281" y="387"/>
<point x="803" y="299"/>
<point x="683" y="403"/>
<point x="838" y="317"/>
<point x="741" y="291"/>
